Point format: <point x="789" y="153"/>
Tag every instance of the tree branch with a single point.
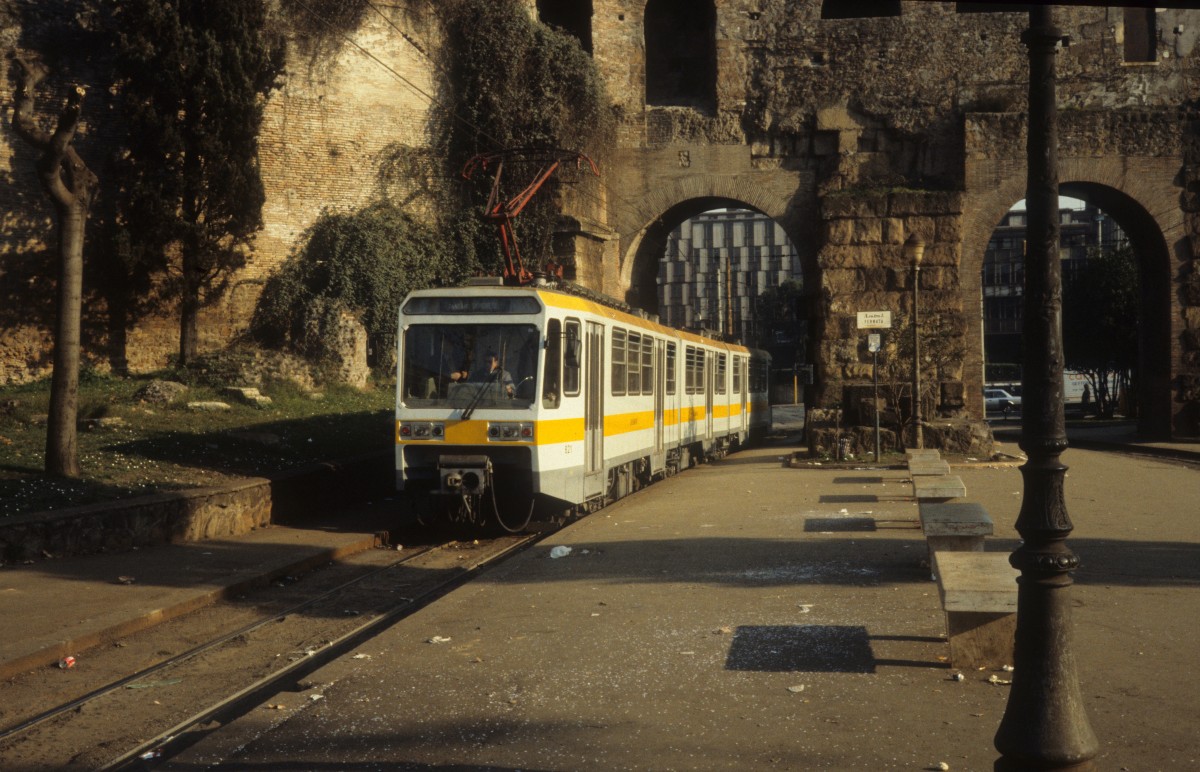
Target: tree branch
<point x="30" y="74"/>
<point x="59" y="157"/>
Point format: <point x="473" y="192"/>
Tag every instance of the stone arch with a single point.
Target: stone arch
<point x="681" y="53"/>
<point x="643" y="242"/>
<point x="1150" y="215"/>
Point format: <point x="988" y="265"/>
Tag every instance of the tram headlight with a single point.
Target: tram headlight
<point x="422" y="430"/>
<point x="510" y="431"/>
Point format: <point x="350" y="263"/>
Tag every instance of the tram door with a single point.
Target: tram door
<point x="593" y="411"/>
<point x="660" y="391"/>
<point x="743" y="376"/>
<point x="710" y="379"/>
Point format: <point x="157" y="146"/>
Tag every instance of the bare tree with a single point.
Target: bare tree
<point x="71" y="187"/>
<point x="942" y="352"/>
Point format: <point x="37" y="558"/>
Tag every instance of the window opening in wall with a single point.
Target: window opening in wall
<point x="573" y="17"/>
<point x="859" y="9"/>
<point x="681" y="53"/>
<point x="1141" y="35"/>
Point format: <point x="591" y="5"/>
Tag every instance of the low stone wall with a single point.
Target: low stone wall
<point x="194" y="515"/>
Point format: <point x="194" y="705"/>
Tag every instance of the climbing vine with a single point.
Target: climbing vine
<point x="514" y="83"/>
<point x="363" y="262"/>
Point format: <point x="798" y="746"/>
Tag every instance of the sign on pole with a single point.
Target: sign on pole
<point x="874" y="320"/>
<point x="873" y="341"/>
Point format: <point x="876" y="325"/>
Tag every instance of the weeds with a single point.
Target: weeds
<point x="142" y="448"/>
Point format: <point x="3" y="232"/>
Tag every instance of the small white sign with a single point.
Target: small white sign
<point x="873" y="341"/>
<point x="874" y="320"/>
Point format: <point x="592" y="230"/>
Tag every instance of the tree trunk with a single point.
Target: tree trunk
<point x="70" y="185"/>
<point x="62" y="452"/>
<point x="189" y="310"/>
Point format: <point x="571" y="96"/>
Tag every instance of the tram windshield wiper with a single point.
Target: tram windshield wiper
<point x="483" y="387"/>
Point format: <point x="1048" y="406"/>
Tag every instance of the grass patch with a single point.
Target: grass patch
<point x="140" y="448"/>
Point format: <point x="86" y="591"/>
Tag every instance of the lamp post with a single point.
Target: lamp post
<point x="914" y="250"/>
<point x="1045" y="726"/>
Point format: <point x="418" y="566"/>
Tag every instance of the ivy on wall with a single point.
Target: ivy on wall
<point x="508" y="82"/>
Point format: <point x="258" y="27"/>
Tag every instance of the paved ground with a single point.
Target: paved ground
<point x="748" y="615"/>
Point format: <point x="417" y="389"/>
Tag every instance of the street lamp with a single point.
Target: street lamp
<point x="1045" y="725"/>
<point x="914" y="250"/>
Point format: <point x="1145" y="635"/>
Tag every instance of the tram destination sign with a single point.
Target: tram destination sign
<point x="874" y="320"/>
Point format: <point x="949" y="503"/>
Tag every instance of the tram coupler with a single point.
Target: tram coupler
<point x="470" y="475"/>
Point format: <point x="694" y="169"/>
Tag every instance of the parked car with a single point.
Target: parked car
<point x="999" y="400"/>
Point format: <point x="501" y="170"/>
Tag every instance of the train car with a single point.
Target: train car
<point x="508" y="398"/>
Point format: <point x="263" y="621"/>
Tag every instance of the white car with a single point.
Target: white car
<point x="999" y="400"/>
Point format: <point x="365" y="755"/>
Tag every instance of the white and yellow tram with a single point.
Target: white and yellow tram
<point x="587" y="403"/>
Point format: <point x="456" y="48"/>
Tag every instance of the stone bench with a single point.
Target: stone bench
<point x="927" y="466"/>
<point x="942" y="487"/>
<point x="978" y="591"/>
<point x="954" y="527"/>
<point x="912" y="453"/>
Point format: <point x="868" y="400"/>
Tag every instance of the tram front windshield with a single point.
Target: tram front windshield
<point x="451" y="366"/>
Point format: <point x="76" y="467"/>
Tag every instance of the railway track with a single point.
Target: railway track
<point x="137" y="720"/>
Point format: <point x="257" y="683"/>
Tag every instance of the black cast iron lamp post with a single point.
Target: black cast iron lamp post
<point x="1045" y="726"/>
<point x="914" y="250"/>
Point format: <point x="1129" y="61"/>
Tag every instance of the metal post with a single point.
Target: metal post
<point x="914" y="250"/>
<point x="1045" y="726"/>
<point x="875" y="378"/>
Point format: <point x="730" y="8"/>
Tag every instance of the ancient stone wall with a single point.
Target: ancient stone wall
<point x="849" y="132"/>
<point x="346" y="105"/>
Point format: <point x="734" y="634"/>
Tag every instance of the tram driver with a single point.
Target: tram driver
<point x="490" y="372"/>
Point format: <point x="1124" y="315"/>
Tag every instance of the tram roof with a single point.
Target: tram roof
<point x="567" y="301"/>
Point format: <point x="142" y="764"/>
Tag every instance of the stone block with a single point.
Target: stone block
<point x="839" y="231"/>
<point x="208" y="407"/>
<point x="893" y="230"/>
<point x="159" y="392"/>
<point x="868" y="231"/>
<point x="927" y="467"/>
<point x="938" y="488"/>
<point x="978" y="591"/>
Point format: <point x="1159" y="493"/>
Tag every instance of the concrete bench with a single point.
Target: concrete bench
<point x="927" y="466"/>
<point x="941" y="487"/>
<point x="912" y="453"/>
<point x="958" y="526"/>
<point x="978" y="591"/>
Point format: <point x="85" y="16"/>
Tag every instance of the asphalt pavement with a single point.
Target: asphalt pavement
<point x="743" y="614"/>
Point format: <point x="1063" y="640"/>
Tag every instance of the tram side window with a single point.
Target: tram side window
<point x="572" y="358"/>
<point x="647" y="365"/>
<point x="737" y="375"/>
<point x="694" y="370"/>
<point x="634" y="363"/>
<point x="671" y="368"/>
<point x="721" y="366"/>
<point x="551" y="394"/>
<point x="618" y="361"/>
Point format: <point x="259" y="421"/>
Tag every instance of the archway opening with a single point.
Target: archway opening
<point x="1116" y="309"/>
<point x="719" y="266"/>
